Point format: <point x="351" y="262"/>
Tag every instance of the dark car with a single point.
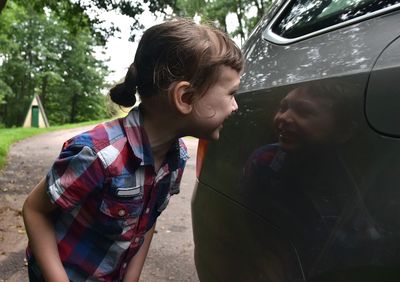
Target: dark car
<point x="304" y="183"/>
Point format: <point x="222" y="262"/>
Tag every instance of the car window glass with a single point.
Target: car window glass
<point x="305" y="16"/>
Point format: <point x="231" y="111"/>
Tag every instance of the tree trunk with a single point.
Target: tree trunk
<point x="74" y="105"/>
<point x="239" y="14"/>
<point x="260" y="9"/>
<point x="43" y="95"/>
<point x="5" y="119"/>
<point x="2" y="5"/>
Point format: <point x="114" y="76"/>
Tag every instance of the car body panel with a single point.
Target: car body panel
<point x="383" y="98"/>
<point x="264" y="243"/>
<point x="353" y="49"/>
<point x="336" y="203"/>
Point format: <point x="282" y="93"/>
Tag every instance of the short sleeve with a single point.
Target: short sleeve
<point x="177" y="174"/>
<point x="176" y="183"/>
<point x="75" y="174"/>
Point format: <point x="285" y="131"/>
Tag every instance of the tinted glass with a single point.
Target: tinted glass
<point x="305" y="16"/>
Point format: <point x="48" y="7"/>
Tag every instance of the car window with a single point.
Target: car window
<point x="302" y="17"/>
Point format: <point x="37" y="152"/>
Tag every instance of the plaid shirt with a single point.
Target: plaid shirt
<point x="109" y="196"/>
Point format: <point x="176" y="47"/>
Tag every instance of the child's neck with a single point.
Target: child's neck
<point x="160" y="135"/>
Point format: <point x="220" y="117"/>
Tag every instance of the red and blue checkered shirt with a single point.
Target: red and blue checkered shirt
<point x="109" y="196"/>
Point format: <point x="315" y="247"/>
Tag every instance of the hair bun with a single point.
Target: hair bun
<point x="122" y="95"/>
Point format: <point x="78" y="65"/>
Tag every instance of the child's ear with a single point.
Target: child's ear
<point x="182" y="97"/>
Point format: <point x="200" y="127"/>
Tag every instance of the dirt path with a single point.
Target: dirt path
<point x="171" y="253"/>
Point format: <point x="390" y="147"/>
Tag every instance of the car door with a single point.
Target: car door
<point x="382" y="97"/>
<point x="309" y="162"/>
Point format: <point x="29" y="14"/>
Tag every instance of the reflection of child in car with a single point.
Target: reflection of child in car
<point x="304" y="187"/>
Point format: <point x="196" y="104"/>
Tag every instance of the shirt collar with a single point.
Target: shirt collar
<point x="139" y="142"/>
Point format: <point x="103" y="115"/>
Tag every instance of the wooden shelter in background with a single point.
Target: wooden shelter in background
<point x="36" y="117"/>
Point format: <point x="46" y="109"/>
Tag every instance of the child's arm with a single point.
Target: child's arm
<point x="136" y="264"/>
<point x="36" y="211"/>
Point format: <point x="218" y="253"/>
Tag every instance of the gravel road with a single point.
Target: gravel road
<point x="171" y="253"/>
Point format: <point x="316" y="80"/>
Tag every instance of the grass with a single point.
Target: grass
<point x="8" y="136"/>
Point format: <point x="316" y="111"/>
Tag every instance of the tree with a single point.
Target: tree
<point x="2" y="4"/>
<point x="83" y="77"/>
<point x="41" y="54"/>
<point x="217" y="11"/>
<point x="17" y="61"/>
<point x="80" y="9"/>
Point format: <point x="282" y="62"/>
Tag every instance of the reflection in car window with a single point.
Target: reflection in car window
<point x="305" y="16"/>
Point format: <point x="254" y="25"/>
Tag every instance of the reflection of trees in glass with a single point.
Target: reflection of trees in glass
<point x="309" y="16"/>
<point x="301" y="13"/>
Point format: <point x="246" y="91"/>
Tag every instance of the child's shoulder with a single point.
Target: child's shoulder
<point x="266" y="153"/>
<point x="99" y="137"/>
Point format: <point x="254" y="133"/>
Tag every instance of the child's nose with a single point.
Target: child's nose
<point x="285" y="116"/>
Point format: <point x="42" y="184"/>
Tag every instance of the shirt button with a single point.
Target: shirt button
<point x="137" y="239"/>
<point x="147" y="210"/>
<point x="121" y="212"/>
<point x="124" y="265"/>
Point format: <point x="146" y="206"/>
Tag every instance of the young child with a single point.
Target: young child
<point x="92" y="218"/>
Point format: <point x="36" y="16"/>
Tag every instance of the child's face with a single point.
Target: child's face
<point x="216" y="105"/>
<point x="304" y="120"/>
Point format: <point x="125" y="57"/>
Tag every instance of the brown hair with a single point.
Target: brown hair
<point x="339" y="93"/>
<point x="174" y="51"/>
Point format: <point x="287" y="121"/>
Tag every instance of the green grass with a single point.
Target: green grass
<point x="8" y="136"/>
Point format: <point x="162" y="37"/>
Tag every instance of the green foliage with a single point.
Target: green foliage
<point x="216" y="11"/>
<point x="75" y="13"/>
<point x="5" y="90"/>
<point x="41" y="54"/>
